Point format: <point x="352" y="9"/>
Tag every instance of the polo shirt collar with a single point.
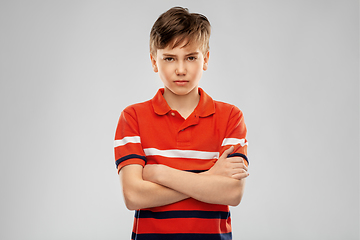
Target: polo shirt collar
<point x="205" y="107"/>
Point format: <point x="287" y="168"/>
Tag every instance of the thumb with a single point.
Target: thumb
<point x="227" y="152"/>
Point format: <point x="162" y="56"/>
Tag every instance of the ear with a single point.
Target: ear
<point x="153" y="63"/>
<point x="206" y="60"/>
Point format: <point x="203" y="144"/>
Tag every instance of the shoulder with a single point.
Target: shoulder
<point x="226" y="108"/>
<point x="138" y="108"/>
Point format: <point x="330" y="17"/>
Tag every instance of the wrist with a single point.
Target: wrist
<point x="159" y="173"/>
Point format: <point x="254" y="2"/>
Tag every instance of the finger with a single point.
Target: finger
<point x="227" y="152"/>
<point x="240" y="176"/>
<point x="237" y="171"/>
<point x="236" y="159"/>
<point x="238" y="166"/>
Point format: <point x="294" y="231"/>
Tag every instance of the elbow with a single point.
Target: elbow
<point x="237" y="193"/>
<point x="235" y="199"/>
<point x="131" y="200"/>
<point x="130" y="205"/>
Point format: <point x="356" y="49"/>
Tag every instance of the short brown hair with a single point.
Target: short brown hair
<point x="176" y="25"/>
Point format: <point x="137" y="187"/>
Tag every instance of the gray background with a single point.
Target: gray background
<point x="68" y="68"/>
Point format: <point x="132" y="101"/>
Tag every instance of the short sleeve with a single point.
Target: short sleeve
<point x="236" y="135"/>
<point x="127" y="144"/>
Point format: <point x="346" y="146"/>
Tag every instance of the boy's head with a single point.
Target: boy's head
<point x="178" y="25"/>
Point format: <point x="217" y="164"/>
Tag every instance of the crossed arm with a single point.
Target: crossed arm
<point x="158" y="185"/>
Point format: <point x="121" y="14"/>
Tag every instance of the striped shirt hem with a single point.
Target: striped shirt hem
<point x="182" y="236"/>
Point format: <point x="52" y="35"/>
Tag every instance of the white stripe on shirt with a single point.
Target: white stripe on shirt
<point x="175" y="153"/>
<point x="126" y="140"/>
<point x="234" y="141"/>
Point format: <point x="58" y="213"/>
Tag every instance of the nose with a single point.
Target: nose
<point x="180" y="68"/>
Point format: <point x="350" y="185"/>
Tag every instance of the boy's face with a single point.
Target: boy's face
<point x="180" y="68"/>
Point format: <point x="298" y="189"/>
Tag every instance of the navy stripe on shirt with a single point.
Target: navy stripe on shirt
<point x="182" y="236"/>
<point x="195" y="171"/>
<point x="182" y="214"/>
<point x="130" y="156"/>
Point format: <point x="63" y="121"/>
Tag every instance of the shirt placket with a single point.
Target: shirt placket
<point x="184" y="132"/>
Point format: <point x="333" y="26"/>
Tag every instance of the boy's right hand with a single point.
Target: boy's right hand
<point x="233" y="167"/>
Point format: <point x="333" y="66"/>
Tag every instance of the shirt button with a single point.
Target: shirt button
<point x="172" y="114"/>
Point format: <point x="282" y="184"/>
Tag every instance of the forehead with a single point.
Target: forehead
<point x="185" y="46"/>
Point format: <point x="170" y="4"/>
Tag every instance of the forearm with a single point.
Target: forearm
<point x="208" y="188"/>
<point x="148" y="194"/>
<point x="139" y="193"/>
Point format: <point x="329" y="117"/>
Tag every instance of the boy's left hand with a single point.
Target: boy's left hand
<point x="233" y="167"/>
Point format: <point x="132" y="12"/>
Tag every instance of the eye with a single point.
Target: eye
<point x="191" y="59"/>
<point x="169" y="59"/>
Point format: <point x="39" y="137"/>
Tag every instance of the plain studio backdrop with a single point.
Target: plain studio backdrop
<point x="68" y="68"/>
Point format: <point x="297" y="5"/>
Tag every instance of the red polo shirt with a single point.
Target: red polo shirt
<point x="152" y="133"/>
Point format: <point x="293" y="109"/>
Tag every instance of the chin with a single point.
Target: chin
<point x="182" y="92"/>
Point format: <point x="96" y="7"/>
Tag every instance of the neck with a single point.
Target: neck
<point x="183" y="104"/>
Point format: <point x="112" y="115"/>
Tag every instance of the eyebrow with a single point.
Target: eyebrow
<point x="172" y="55"/>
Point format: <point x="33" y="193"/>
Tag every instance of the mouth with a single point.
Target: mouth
<point x="181" y="82"/>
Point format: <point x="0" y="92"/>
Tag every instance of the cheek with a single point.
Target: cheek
<point x="198" y="69"/>
<point x="164" y="72"/>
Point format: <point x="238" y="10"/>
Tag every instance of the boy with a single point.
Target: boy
<point x="181" y="155"/>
